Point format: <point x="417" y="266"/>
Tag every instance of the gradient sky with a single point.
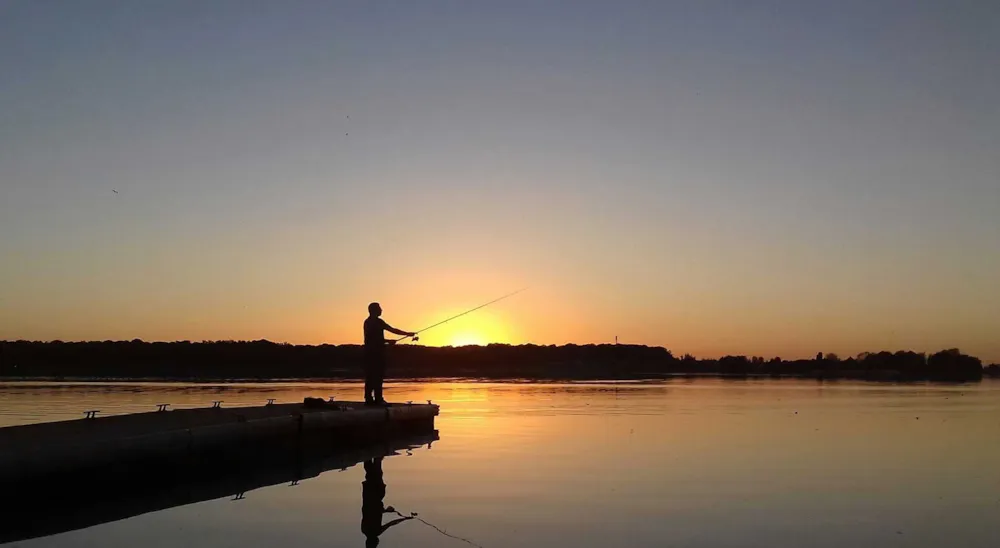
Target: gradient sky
<point x="772" y="178"/>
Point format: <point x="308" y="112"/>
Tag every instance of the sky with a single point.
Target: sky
<point x="759" y="178"/>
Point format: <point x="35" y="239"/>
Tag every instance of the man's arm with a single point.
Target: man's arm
<point x="396" y="521"/>
<point x="399" y="332"/>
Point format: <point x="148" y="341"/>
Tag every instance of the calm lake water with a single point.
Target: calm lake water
<point x="693" y="462"/>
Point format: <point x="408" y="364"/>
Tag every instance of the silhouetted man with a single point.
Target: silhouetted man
<point x="375" y="343"/>
<point x="372" y="494"/>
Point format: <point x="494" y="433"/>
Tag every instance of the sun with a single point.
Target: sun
<point x="480" y="329"/>
<point x="468" y="338"/>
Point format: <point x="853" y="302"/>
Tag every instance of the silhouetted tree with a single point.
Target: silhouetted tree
<point x="953" y="365"/>
<point x="734" y="365"/>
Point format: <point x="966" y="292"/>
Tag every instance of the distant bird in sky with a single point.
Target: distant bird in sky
<point x="115" y="191"/>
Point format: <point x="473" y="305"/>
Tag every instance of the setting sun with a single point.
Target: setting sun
<point x="482" y="328"/>
<point x="468" y="338"/>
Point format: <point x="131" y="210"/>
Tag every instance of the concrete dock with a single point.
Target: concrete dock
<point x="121" y="444"/>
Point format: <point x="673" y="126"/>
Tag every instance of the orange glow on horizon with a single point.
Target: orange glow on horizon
<point x="479" y="328"/>
<point x="469" y="339"/>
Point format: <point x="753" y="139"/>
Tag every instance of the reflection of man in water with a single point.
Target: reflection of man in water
<point x="375" y="328"/>
<point x="372" y="494"/>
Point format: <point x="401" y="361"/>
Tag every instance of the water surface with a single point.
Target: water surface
<point x="700" y="463"/>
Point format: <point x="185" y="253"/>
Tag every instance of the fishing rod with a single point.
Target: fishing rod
<point x="416" y="338"/>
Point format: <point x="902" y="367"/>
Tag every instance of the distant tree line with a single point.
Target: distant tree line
<point x="256" y="360"/>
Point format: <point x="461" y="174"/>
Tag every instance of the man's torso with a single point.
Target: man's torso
<point x="374" y="334"/>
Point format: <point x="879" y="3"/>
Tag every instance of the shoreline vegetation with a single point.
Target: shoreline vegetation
<point x="265" y="360"/>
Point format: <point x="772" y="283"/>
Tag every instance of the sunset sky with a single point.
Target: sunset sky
<point x="762" y="178"/>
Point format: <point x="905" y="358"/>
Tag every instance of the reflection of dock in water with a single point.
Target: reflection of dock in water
<point x="46" y="508"/>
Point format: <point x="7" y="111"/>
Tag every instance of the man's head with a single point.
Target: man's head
<point x="374" y="310"/>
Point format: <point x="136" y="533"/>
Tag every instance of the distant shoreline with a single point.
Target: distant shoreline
<point x="265" y="361"/>
<point x="875" y="379"/>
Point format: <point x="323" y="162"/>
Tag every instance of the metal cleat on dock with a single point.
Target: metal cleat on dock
<point x="216" y="404"/>
<point x="162" y="406"/>
<point x="270" y="401"/>
<point x="91" y="414"/>
<point x="331" y="399"/>
<point x="428" y="402"/>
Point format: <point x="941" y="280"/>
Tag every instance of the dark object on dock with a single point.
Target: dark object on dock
<point x="51" y="506"/>
<point x="320" y="403"/>
<point x="125" y="443"/>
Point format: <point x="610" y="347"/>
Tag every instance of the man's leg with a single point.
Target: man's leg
<point x="369" y="381"/>
<point x="379" y="378"/>
<point x="377" y="385"/>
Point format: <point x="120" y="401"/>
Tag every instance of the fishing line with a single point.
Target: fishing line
<point x="413" y="515"/>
